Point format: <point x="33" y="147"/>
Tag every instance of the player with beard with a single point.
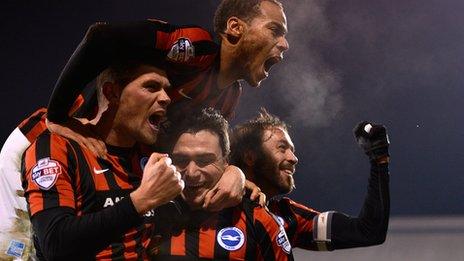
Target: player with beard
<point x="263" y="149"/>
<point x="202" y="73"/>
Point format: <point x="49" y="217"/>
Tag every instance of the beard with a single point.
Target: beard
<point x="267" y="173"/>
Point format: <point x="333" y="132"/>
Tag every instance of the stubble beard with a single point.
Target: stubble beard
<point x="268" y="174"/>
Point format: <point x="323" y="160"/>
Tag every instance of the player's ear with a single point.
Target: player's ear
<point x="111" y="91"/>
<point x="249" y="158"/>
<point x="235" y="28"/>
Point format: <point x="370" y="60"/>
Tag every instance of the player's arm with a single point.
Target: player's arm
<point x="228" y="191"/>
<point x="105" y="44"/>
<point x="49" y="173"/>
<point x="335" y="230"/>
<point x="52" y="205"/>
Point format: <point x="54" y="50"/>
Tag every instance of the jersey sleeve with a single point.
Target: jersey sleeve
<point x="50" y="171"/>
<point x="271" y="238"/>
<point x="171" y="47"/>
<point x="332" y="230"/>
<point x="371" y="225"/>
<point x="34" y="125"/>
<point x="48" y="168"/>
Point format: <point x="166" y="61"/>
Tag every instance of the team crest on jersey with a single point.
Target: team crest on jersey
<point x="181" y="51"/>
<point x="230" y="238"/>
<point x="46" y="172"/>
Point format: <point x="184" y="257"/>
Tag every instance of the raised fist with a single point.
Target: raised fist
<point x="373" y="139"/>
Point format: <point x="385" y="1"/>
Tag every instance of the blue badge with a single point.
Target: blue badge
<point x="230" y="238"/>
<point x="143" y="162"/>
<point x="16" y="248"/>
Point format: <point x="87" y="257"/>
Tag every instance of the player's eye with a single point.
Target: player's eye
<point x="282" y="147"/>
<point x="276" y="31"/>
<point x="152" y="87"/>
<point x="205" y="160"/>
<point x="180" y="162"/>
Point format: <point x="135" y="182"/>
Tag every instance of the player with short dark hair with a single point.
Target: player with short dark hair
<point x="85" y="207"/>
<point x="202" y="73"/>
<point x="244" y="232"/>
<point x="263" y="149"/>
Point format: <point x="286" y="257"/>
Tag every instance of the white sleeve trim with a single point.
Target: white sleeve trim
<point x="322" y="224"/>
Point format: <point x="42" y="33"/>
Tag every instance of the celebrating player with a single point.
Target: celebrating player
<point x="263" y="149"/>
<point x="244" y="232"/>
<point x="202" y="73"/>
<point x="83" y="207"/>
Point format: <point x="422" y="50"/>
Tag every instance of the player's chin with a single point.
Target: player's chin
<point x="148" y="137"/>
<point x="287" y="185"/>
<point x="256" y="78"/>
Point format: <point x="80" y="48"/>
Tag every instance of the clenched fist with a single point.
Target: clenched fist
<point x="373" y="139"/>
<point x="161" y="182"/>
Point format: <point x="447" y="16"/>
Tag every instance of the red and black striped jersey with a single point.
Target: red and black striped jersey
<point x="306" y="228"/>
<point x="58" y="174"/>
<point x="35" y="125"/>
<point x="187" y="53"/>
<point x="244" y="232"/>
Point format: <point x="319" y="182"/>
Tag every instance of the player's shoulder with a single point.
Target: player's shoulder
<point x="285" y="204"/>
<point x="49" y="139"/>
<point x="35" y="117"/>
<point x="256" y="211"/>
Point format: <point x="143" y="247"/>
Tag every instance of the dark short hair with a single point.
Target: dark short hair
<point x="249" y="136"/>
<point x="207" y="119"/>
<point x="243" y="9"/>
<point x="122" y="72"/>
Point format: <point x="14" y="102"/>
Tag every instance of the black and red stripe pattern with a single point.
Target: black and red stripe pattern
<point x="245" y="232"/>
<point x="86" y="184"/>
<point x="304" y="225"/>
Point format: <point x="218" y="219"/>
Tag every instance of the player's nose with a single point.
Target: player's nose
<point x="283" y="44"/>
<point x="292" y="158"/>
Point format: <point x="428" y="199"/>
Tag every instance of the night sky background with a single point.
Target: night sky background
<point x="399" y="63"/>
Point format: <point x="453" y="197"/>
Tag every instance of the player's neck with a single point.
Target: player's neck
<point x="228" y="73"/>
<point x="107" y="129"/>
<point x="262" y="183"/>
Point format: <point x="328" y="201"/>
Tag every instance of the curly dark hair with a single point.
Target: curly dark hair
<point x="243" y="9"/>
<point x="249" y="135"/>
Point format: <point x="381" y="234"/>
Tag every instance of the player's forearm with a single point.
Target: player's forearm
<point x="102" y="45"/>
<point x="64" y="236"/>
<point x="370" y="227"/>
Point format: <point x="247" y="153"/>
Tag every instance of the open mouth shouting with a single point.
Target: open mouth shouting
<point x="156" y="119"/>
<point x="271" y="62"/>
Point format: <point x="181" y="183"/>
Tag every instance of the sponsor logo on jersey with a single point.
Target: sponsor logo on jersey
<point x="99" y="171"/>
<point x="283" y="242"/>
<point x="181" y="51"/>
<point x="181" y="92"/>
<point x="230" y="238"/>
<point x="16" y="248"/>
<point x="280" y="220"/>
<point x="46" y="172"/>
<point x="282" y="239"/>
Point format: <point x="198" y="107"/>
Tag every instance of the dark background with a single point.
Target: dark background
<point x="395" y="62"/>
